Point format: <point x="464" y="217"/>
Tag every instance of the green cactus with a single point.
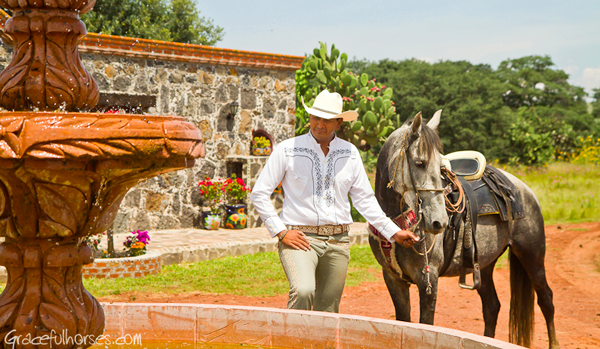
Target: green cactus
<point x="377" y="114"/>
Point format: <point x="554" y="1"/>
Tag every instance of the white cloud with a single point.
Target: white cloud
<point x="590" y="78"/>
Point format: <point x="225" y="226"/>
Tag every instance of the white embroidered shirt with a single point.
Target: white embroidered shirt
<point x="316" y="187"/>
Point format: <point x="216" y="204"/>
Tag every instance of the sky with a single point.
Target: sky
<point x="483" y="31"/>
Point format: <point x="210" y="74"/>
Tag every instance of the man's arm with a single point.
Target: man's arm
<point x="363" y="199"/>
<point x="270" y="177"/>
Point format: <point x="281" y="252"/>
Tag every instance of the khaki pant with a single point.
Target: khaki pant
<point x="317" y="276"/>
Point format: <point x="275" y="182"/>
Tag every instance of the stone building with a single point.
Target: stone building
<point x="199" y="83"/>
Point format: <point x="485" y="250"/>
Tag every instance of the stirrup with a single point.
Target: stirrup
<point x="476" y="278"/>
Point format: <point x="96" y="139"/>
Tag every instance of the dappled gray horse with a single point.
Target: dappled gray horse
<point x="409" y="179"/>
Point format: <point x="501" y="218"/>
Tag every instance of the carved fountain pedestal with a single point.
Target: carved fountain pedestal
<point x="64" y="174"/>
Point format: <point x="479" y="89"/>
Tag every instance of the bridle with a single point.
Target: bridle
<point x="404" y="153"/>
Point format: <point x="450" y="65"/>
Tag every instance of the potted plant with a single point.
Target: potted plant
<point x="235" y="191"/>
<point x="261" y="146"/>
<point x="212" y="191"/>
<point x="136" y="245"/>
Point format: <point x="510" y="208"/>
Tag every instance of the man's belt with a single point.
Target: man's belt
<point x="325" y="230"/>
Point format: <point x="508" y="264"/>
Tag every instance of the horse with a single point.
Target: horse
<point x="409" y="175"/>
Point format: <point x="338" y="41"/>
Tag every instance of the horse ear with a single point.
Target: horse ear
<point x="435" y="120"/>
<point x="417" y="122"/>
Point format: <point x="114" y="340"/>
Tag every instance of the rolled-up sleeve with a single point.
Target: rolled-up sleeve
<point x="269" y="178"/>
<point x="363" y="199"/>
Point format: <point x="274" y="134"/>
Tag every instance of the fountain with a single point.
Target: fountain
<point x="63" y="174"/>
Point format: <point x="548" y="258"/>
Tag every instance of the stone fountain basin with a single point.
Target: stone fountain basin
<point x="201" y="323"/>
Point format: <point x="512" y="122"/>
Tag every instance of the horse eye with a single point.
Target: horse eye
<point x="420" y="163"/>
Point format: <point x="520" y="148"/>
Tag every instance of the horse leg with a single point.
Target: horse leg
<point x="537" y="273"/>
<point x="399" y="291"/>
<point x="427" y="301"/>
<point x="490" y="303"/>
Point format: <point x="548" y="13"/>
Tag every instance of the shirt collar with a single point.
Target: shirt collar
<point x="313" y="141"/>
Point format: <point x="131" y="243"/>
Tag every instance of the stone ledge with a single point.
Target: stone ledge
<point x="202" y="323"/>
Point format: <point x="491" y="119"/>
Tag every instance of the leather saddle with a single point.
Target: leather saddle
<point x="487" y="191"/>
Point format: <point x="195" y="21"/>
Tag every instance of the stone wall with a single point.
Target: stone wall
<point x="199" y="83"/>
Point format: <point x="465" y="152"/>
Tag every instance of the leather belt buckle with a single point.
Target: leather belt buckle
<point x="322" y="230"/>
<point x="326" y="230"/>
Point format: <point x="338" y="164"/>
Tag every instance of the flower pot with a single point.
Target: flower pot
<point x="235" y="216"/>
<point x="261" y="151"/>
<point x="212" y="221"/>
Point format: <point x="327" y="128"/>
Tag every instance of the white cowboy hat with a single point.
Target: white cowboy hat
<point x="329" y="105"/>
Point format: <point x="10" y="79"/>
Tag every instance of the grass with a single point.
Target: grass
<point x="567" y="192"/>
<point x="259" y="274"/>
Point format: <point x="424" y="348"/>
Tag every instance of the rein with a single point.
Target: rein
<point x="455" y="208"/>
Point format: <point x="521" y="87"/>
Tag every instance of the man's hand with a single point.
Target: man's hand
<point x="406" y="238"/>
<point x="295" y="239"/>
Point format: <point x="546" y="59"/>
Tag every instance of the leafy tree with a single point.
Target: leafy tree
<point x="524" y="112"/>
<point x="531" y="138"/>
<point x="531" y="81"/>
<point x="470" y="95"/>
<point x="186" y="25"/>
<point x="596" y="104"/>
<point x="175" y="20"/>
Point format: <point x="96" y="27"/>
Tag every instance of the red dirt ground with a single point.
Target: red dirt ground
<point x="572" y="268"/>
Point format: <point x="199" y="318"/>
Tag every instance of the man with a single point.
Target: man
<point x="317" y="172"/>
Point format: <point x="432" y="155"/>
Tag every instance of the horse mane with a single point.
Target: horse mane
<point x="430" y="140"/>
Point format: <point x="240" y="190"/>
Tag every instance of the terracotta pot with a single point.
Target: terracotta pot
<point x="212" y="221"/>
<point x="235" y="216"/>
<point x="261" y="151"/>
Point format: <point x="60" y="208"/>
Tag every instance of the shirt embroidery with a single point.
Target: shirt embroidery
<point x="329" y="174"/>
<point x="322" y="186"/>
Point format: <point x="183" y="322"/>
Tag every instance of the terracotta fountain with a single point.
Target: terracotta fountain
<point x="63" y="173"/>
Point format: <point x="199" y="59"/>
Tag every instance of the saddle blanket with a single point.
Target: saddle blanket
<point x="404" y="221"/>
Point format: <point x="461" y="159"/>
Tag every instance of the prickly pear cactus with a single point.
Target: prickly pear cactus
<point x="327" y="70"/>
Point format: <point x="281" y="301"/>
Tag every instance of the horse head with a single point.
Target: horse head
<point x="416" y="171"/>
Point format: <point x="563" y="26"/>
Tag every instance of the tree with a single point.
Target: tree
<point x="175" y="20"/>
<point x="531" y="81"/>
<point x="596" y="105"/>
<point x="524" y="112"/>
<point x="470" y="95"/>
<point x="186" y="25"/>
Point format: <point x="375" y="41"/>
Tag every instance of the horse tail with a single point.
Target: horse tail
<point x="521" y="318"/>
